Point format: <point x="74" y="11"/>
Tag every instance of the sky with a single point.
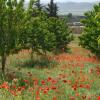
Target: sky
<point x="71" y="0"/>
<point x="46" y="1"/>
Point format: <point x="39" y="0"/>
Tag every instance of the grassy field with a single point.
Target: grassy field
<point x="74" y="76"/>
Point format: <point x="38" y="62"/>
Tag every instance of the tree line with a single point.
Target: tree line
<point x="33" y="28"/>
<point x="40" y="29"/>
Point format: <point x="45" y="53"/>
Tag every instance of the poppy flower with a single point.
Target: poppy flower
<point x="65" y="81"/>
<point x="53" y="87"/>
<point x="26" y="81"/>
<point x="98" y="98"/>
<point x="43" y="82"/>
<point x="54" y="98"/>
<point x="13" y="92"/>
<point x="49" y="79"/>
<point x="38" y="98"/>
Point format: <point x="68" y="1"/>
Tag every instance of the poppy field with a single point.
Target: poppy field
<point x="41" y="59"/>
<point x="66" y="77"/>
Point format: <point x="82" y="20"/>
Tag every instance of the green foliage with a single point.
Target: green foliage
<point x="48" y="34"/>
<point x="62" y="33"/>
<point x="11" y="13"/>
<point x="22" y="28"/>
<point x="99" y="40"/>
<point x="46" y="38"/>
<point x="13" y="18"/>
<point x="37" y="36"/>
<point x="88" y="39"/>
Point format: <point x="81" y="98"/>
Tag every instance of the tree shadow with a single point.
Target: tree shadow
<point x="41" y="63"/>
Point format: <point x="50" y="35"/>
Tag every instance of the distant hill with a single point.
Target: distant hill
<point x="74" y="8"/>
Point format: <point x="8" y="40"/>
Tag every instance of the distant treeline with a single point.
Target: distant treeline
<point x="72" y="18"/>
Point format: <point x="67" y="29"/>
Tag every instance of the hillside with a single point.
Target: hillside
<point x="74" y="7"/>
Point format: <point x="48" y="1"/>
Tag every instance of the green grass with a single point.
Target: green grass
<point x="66" y="74"/>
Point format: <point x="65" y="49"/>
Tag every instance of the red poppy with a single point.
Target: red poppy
<point x="26" y="81"/>
<point x="65" y="81"/>
<point x="45" y="91"/>
<point x="35" y="82"/>
<point x="13" y="92"/>
<point x="72" y="98"/>
<point x="54" y="81"/>
<point x="5" y="85"/>
<point x="53" y="87"/>
<point x="38" y="98"/>
<point x="98" y="98"/>
<point x="13" y="86"/>
<point x="49" y="79"/>
<point x="54" y="98"/>
<point x="43" y="82"/>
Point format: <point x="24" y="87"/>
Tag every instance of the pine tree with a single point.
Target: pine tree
<point x="38" y="5"/>
<point x="52" y="9"/>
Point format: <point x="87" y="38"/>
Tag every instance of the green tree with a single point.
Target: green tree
<point x="91" y="32"/>
<point x="62" y="33"/>
<point x="48" y="34"/>
<point x="99" y="40"/>
<point x="26" y="26"/>
<point x="40" y="40"/>
<point x="46" y="38"/>
<point x="70" y="15"/>
<point x="12" y="25"/>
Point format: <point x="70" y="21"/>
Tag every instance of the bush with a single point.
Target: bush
<point x="91" y="32"/>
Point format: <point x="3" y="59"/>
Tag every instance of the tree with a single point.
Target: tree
<point x="69" y="15"/>
<point x="88" y="39"/>
<point x="52" y="9"/>
<point x="40" y="40"/>
<point x="62" y="33"/>
<point x="46" y="38"/>
<point x="38" y="5"/>
<point x="99" y="41"/>
<point x="12" y="25"/>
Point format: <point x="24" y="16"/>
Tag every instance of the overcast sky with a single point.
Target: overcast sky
<point x="45" y="1"/>
<point x="70" y="0"/>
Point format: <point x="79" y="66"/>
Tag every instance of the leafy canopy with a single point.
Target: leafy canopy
<point x="91" y="32"/>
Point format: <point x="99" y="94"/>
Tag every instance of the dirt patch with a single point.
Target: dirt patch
<point x="79" y="51"/>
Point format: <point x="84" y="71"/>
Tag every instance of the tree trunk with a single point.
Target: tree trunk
<point x="32" y="53"/>
<point x="3" y="62"/>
